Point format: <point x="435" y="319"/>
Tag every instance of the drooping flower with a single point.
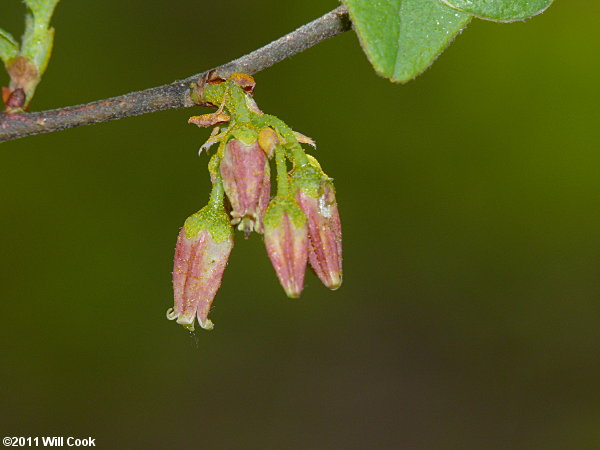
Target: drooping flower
<point x="247" y="181"/>
<point x="315" y="194"/>
<point x="300" y="224"/>
<point x="325" y="235"/>
<point x="203" y="247"/>
<point x="286" y="240"/>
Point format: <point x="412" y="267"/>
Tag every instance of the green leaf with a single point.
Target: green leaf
<point x="8" y="46"/>
<point x="37" y="42"/>
<point x="500" y="10"/>
<point x="402" y="38"/>
<point x="36" y="47"/>
<point x="41" y="9"/>
<point x="39" y="36"/>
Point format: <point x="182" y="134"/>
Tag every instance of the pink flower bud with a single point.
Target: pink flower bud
<point x="202" y="251"/>
<point x="247" y="181"/>
<point x="286" y="240"/>
<point x="325" y="234"/>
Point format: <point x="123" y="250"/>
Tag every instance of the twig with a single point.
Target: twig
<point x="174" y="95"/>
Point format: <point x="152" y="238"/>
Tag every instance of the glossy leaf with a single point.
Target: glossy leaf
<point x="500" y="10"/>
<point x="402" y="38"/>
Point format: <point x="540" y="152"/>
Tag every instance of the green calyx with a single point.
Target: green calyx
<point x="245" y="119"/>
<point x="280" y="206"/>
<point x="309" y="178"/>
<point x="247" y="135"/>
<point x="212" y="217"/>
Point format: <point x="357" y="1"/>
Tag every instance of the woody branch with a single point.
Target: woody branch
<point x="176" y="94"/>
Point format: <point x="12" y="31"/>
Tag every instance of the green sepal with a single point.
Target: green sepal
<point x="246" y="135"/>
<point x="212" y="218"/>
<point x="309" y="178"/>
<point x="280" y="205"/>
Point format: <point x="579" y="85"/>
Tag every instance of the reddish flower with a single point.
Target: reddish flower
<point x="286" y="240"/>
<point x="202" y="251"/>
<point x="247" y="182"/>
<point x="325" y="234"/>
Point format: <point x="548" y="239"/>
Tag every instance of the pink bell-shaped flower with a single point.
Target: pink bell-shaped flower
<point x="203" y="247"/>
<point x="247" y="182"/>
<point x="324" y="234"/>
<point x="286" y="240"/>
<point x="316" y="196"/>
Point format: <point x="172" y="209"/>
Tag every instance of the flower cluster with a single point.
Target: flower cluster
<point x="300" y="223"/>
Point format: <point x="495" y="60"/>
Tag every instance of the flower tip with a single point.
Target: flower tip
<point x="247" y="225"/>
<point x="334" y="282"/>
<point x="171" y="314"/>
<point x="186" y="323"/>
<point x="188" y="326"/>
<point x="207" y="324"/>
<point x="293" y="290"/>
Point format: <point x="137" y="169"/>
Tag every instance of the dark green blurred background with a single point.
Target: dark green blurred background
<point x="469" y="317"/>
